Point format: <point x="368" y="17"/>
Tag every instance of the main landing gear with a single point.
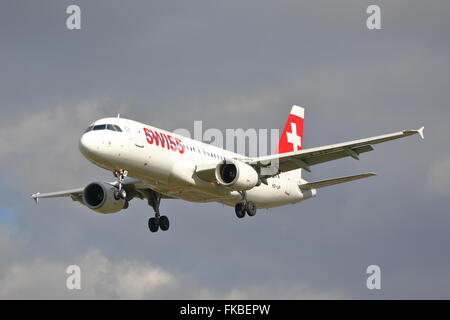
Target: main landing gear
<point x="245" y="206"/>
<point x="157" y="222"/>
<point x="120" y="192"/>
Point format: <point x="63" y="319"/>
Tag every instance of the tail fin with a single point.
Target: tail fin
<point x="292" y="137"/>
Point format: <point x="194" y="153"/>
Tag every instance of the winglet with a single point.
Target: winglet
<point x="36" y="197"/>
<point x="420" y="131"/>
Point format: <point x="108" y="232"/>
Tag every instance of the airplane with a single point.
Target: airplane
<point x="153" y="164"/>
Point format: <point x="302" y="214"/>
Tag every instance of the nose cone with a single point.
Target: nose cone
<point x="88" y="145"/>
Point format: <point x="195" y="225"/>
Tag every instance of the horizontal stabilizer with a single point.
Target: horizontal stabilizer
<point x="331" y="182"/>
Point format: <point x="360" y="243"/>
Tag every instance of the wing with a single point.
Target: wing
<point x="134" y="188"/>
<point x="206" y="172"/>
<point x="75" y="194"/>
<point x="303" y="159"/>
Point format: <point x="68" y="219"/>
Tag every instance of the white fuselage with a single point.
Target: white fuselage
<point x="168" y="165"/>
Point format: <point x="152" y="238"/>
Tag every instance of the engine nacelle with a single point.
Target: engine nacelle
<point x="236" y="175"/>
<point x="99" y="197"/>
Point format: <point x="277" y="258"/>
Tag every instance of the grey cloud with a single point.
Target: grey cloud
<point x="109" y="278"/>
<point x="437" y="176"/>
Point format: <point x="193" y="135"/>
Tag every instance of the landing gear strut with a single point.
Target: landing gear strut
<point x="245" y="206"/>
<point x="120" y="193"/>
<point x="158" y="221"/>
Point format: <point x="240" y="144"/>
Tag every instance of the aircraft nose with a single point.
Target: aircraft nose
<point x="87" y="144"/>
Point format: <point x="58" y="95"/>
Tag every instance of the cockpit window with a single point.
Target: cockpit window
<point x="100" y="127"/>
<point x="111" y="127"/>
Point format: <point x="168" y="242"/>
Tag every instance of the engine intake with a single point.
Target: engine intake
<point x="99" y="197"/>
<point x="236" y="175"/>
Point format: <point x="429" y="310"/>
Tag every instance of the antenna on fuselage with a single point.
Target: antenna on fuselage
<point x="118" y="115"/>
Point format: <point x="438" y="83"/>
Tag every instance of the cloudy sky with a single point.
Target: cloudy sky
<point x="232" y="64"/>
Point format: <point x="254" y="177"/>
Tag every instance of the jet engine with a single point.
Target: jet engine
<point x="236" y="175"/>
<point x="99" y="197"/>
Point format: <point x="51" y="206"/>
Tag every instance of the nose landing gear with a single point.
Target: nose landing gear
<point x="120" y="193"/>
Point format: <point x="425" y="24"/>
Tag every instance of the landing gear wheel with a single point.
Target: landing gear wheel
<point x="164" y="223"/>
<point x="153" y="224"/>
<point x="126" y="204"/>
<point x="239" y="208"/>
<point x="120" y="194"/>
<point x="158" y="222"/>
<point x="250" y="208"/>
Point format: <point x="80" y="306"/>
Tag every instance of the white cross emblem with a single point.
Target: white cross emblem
<point x="293" y="137"/>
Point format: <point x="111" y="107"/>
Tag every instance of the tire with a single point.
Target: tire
<point x="239" y="209"/>
<point x="250" y="208"/>
<point x="116" y="195"/>
<point x="126" y="204"/>
<point x="164" y="223"/>
<point x="123" y="194"/>
<point x="153" y="224"/>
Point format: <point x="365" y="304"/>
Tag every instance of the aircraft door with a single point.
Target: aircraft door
<point x="139" y="138"/>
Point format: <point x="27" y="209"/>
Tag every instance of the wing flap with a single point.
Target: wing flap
<point x="332" y="182"/>
<point x="313" y="159"/>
